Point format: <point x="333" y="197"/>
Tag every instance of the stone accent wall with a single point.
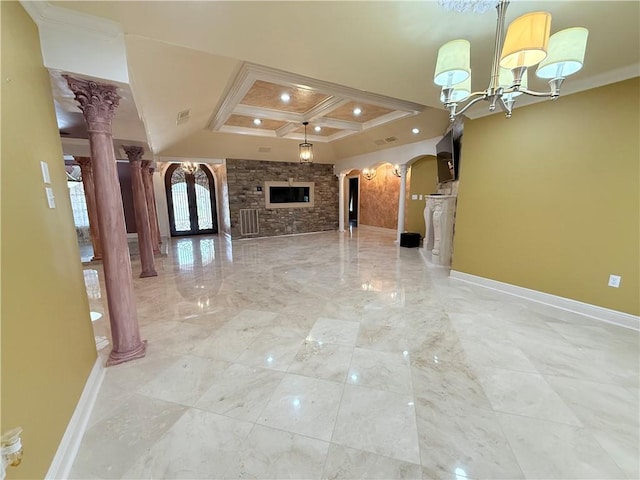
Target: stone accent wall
<point x="244" y="177"/>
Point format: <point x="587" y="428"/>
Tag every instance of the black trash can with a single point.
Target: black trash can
<point x="409" y="240"/>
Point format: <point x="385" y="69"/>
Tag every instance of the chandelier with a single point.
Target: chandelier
<point x="527" y="43"/>
<point x="189" y="167"/>
<point x="306" y="148"/>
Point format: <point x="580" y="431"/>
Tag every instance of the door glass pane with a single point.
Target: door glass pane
<point x="180" y="201"/>
<point x="203" y="201"/>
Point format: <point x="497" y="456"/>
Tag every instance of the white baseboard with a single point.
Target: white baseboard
<point x="68" y="448"/>
<point x="593" y="311"/>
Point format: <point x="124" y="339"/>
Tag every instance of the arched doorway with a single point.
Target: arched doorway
<point x="191" y="200"/>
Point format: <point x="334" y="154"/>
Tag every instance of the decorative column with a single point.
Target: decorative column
<point x="341" y="177"/>
<point x="402" y="200"/>
<point x="134" y="153"/>
<point x="439" y="215"/>
<point x="92" y="212"/>
<point x="98" y="103"/>
<point x="147" y="180"/>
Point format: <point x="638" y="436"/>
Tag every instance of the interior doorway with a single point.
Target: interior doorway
<point x="191" y="201"/>
<point x="353" y="201"/>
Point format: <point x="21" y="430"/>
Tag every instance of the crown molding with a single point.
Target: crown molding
<point x="569" y="87"/>
<point x="46" y="15"/>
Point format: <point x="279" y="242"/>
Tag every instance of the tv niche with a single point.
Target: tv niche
<point x="288" y="194"/>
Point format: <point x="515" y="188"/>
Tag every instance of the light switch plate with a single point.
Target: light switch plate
<point x="50" y="198"/>
<point x="45" y="172"/>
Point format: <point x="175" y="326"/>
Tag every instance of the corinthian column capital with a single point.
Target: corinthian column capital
<point x="98" y="102"/>
<point x="134" y="153"/>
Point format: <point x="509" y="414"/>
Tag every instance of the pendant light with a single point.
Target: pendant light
<point x="306" y="148"/>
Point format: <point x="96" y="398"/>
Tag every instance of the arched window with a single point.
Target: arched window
<point x="191" y="201"/>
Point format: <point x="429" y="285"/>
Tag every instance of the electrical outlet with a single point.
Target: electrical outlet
<point x="614" y="281"/>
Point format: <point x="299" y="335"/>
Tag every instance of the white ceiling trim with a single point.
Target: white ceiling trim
<point x="260" y="112"/>
<point x="258" y="132"/>
<point x="325" y="107"/>
<point x="389" y="117"/>
<point x="249" y="73"/>
<point x="285" y="78"/>
<point x="53" y="16"/>
<point x="286" y="129"/>
<point x="341" y="124"/>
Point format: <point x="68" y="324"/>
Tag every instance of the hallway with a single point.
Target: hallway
<point x="344" y="356"/>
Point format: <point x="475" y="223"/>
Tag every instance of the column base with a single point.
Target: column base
<point x="116" y="358"/>
<point x="150" y="273"/>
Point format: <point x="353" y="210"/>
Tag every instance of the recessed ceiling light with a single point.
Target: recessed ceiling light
<point x="357" y="111"/>
<point x="285" y="97"/>
<point x="317" y="129"/>
<point x="415" y="131"/>
<point x="257" y="121"/>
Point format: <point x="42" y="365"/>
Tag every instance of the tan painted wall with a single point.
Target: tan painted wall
<point x="47" y="339"/>
<point x="549" y="200"/>
<point x="424" y="180"/>
<point x="379" y="199"/>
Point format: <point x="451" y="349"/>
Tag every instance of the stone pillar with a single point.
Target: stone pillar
<point x="98" y="103"/>
<point x="92" y="212"/>
<point x="147" y="179"/>
<point x="341" y="177"/>
<point x="402" y="200"/>
<point x="134" y="153"/>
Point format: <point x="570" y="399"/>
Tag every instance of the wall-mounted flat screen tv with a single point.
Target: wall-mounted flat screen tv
<point x="448" y="157"/>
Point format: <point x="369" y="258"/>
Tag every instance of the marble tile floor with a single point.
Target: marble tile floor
<point x="345" y="356"/>
<point x="86" y="250"/>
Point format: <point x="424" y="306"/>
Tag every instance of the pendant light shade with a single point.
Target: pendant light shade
<point x="506" y="81"/>
<point x="453" y="64"/>
<point x="306" y="148"/>
<point x="460" y="91"/>
<point x="566" y="53"/>
<point x="526" y="41"/>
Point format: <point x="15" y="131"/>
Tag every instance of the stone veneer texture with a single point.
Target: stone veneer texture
<point x="379" y="199"/>
<point x="244" y="176"/>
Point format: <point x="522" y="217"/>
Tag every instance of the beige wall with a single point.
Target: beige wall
<point x="47" y="340"/>
<point x="379" y="199"/>
<point x="549" y="200"/>
<point x="423" y="181"/>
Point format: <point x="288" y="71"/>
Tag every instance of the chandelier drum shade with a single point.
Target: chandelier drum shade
<point x="526" y="41"/>
<point x="526" y="44"/>
<point x="306" y="148"/>
<point x="453" y="64"/>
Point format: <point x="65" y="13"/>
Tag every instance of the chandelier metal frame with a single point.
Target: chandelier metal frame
<point x="494" y="93"/>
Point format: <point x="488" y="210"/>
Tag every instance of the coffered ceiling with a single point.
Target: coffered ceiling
<point x="201" y="72"/>
<point x="268" y="102"/>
